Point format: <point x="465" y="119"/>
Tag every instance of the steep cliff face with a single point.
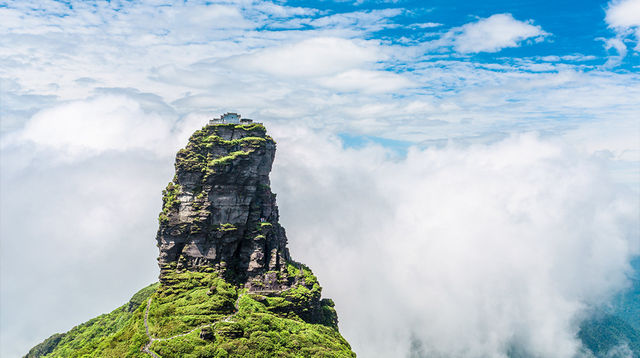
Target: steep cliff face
<point x="228" y="287"/>
<point x="219" y="211"/>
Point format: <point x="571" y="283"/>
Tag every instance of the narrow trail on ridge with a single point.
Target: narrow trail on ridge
<point x="146" y="348"/>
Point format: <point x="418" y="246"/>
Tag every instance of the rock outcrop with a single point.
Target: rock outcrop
<point x="219" y="211"/>
<point x="228" y="287"/>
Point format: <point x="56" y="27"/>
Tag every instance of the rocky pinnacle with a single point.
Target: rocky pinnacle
<point x="219" y="212"/>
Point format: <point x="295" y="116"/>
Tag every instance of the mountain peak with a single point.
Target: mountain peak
<point x="228" y="287"/>
<point x="219" y="212"/>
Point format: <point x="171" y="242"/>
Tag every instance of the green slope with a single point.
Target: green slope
<point x="199" y="314"/>
<point x="121" y="328"/>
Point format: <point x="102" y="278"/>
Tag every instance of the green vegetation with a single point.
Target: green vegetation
<point x="244" y="325"/>
<point x="198" y="156"/>
<point x="190" y="160"/>
<point x="606" y="333"/>
<point x="303" y="300"/>
<point x="202" y="155"/>
<point x="251" y="127"/>
<point x="142" y="296"/>
<point x="246" y="127"/>
<point x="117" y="334"/>
<point x="302" y="272"/>
<point x="189" y="300"/>
<point x="227" y="227"/>
<point x="255" y="333"/>
<point x="214" y="140"/>
<point x="212" y="163"/>
<point x="45" y="347"/>
<point x="169" y="201"/>
<point x="199" y="314"/>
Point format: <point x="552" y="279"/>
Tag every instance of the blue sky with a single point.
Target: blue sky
<point x="575" y="28"/>
<point x="420" y="110"/>
<point x="556" y="68"/>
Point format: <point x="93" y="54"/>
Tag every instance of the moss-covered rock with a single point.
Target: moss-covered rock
<point x="214" y="207"/>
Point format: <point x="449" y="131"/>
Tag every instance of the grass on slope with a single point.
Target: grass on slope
<point x="116" y="334"/>
<point x="260" y="327"/>
<point x="254" y="330"/>
<point x="223" y="321"/>
<point x="189" y="300"/>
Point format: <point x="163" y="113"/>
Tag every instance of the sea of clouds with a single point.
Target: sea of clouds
<point x="509" y="213"/>
<point x="458" y="250"/>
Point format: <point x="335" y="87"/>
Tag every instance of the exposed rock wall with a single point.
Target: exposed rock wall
<point x="219" y="212"/>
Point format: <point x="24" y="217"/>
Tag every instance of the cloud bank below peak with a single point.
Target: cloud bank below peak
<point x="462" y="268"/>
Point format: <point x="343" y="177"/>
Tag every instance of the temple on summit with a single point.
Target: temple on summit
<point x="230" y="117"/>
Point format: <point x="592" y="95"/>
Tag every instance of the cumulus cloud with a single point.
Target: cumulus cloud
<point x="86" y="128"/>
<point x="623" y="16"/>
<point x="623" y="13"/>
<point x="115" y="121"/>
<point x="457" y="252"/>
<point x="494" y="33"/>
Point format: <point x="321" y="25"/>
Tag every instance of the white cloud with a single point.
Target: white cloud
<point x="311" y="57"/>
<point x="463" y="249"/>
<point x="366" y="81"/>
<point x="373" y="20"/>
<point x="280" y="11"/>
<point x="623" y="13"/>
<point x="494" y="33"/>
<point x="113" y="122"/>
<point x="426" y="25"/>
<point x="623" y="16"/>
<point x="116" y="123"/>
<point x="75" y="229"/>
<point x="466" y="251"/>
<point x="620" y="48"/>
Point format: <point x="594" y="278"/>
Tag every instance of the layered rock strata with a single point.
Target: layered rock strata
<point x="219" y="212"/>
